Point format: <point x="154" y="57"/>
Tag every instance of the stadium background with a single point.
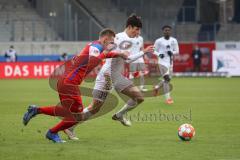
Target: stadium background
<point x="41" y="30"/>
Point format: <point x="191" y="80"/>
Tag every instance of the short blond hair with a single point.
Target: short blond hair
<point x="107" y="32"/>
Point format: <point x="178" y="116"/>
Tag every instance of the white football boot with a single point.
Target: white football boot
<point x="123" y="120"/>
<point x="71" y="135"/>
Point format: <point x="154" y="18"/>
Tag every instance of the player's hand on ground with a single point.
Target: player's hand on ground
<point x="149" y="49"/>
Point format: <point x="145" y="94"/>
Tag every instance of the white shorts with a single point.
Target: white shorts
<point x="164" y="70"/>
<point x="135" y="67"/>
<point x="105" y="82"/>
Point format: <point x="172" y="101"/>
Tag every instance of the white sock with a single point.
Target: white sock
<point x="124" y="110"/>
<point x="166" y="90"/>
<point x="156" y="86"/>
<point x="142" y="81"/>
<point x="160" y="84"/>
<point x="127" y="107"/>
<point x="131" y="76"/>
<point x="86" y="113"/>
<point x="167" y="96"/>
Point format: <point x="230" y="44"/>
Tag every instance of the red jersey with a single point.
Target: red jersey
<point x="79" y="66"/>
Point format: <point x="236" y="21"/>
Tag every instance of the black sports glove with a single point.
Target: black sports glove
<point x="161" y="55"/>
<point x="170" y="53"/>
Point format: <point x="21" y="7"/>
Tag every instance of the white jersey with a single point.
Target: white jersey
<point x="11" y="55"/>
<point x="115" y="66"/>
<point x="139" y="47"/>
<point x="162" y="46"/>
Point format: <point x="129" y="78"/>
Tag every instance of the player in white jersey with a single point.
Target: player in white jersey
<point x="110" y="75"/>
<point x="165" y="48"/>
<point x="139" y="64"/>
<point x="11" y="55"/>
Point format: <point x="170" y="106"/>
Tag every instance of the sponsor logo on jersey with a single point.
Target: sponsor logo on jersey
<point x="124" y="45"/>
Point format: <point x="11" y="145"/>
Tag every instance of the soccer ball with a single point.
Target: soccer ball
<point x="186" y="132"/>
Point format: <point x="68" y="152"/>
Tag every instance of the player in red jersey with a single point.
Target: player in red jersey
<point x="75" y="70"/>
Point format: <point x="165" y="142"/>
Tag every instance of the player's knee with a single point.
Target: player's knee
<point x="166" y="78"/>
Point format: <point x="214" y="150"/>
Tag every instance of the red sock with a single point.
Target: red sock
<point x="55" y="111"/>
<point x="47" y="110"/>
<point x="64" y="124"/>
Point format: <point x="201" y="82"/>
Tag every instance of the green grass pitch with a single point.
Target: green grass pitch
<point x="215" y="114"/>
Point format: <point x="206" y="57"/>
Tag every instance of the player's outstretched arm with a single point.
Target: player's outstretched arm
<point x="110" y="52"/>
<point x="114" y="54"/>
<point x="134" y="57"/>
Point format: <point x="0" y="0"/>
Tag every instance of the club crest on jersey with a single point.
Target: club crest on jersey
<point x="95" y="52"/>
<point x="124" y="45"/>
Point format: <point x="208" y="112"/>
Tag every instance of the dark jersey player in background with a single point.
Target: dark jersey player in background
<point x="75" y="70"/>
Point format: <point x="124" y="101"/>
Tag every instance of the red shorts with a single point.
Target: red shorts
<point x="70" y="96"/>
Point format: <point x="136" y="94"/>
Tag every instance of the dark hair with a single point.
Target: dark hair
<point x="134" y="21"/>
<point x="166" y="26"/>
<point x="107" y="32"/>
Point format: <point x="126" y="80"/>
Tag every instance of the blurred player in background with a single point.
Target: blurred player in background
<point x="68" y="83"/>
<point x="138" y="66"/>
<point x="11" y="55"/>
<point x="197" y="58"/>
<point x="110" y="74"/>
<point x="63" y="57"/>
<point x="165" y="48"/>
